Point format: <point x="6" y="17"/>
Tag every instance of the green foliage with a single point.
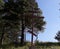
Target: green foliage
<point x="12" y="13"/>
<point x="37" y="43"/>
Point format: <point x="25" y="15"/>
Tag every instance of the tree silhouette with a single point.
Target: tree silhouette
<point x="57" y="37"/>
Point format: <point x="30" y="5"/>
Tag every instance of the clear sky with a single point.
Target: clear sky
<point x="51" y="12"/>
<point x="50" y="9"/>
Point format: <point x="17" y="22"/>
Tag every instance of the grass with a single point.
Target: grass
<point x="37" y="47"/>
<point x="11" y="46"/>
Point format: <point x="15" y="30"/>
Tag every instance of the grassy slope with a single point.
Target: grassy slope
<point x="53" y="46"/>
<point x="40" y="47"/>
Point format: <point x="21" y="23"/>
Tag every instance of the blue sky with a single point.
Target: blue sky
<point x="50" y="9"/>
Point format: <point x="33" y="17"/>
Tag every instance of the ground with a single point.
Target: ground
<point x="39" y="47"/>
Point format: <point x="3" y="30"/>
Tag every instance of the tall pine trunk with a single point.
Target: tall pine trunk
<point x="2" y="36"/>
<point x="22" y="33"/>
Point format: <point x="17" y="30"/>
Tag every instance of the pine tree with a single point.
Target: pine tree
<point x="20" y="13"/>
